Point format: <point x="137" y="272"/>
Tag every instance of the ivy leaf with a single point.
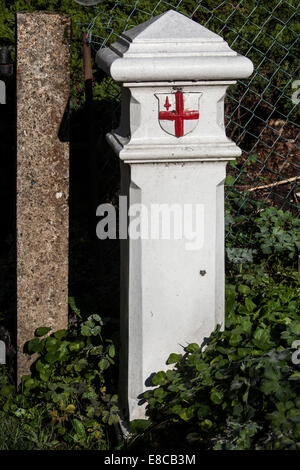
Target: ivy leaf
<point x="216" y="396"/>
<point x="59" y="334"/>
<point x="192" y="347"/>
<point x="111" y="351"/>
<point x="261" y="338"/>
<point x="44" y="370"/>
<point x="160" y="378"/>
<point x="52" y="356"/>
<point x="295" y="327"/>
<point x="295" y="376"/>
<point x="138" y="426"/>
<point x="187" y="413"/>
<point x="235" y="339"/>
<point x="79" y="428"/>
<point x="76" y="345"/>
<point x="250" y="305"/>
<point x="35" y="345"/>
<point x="174" y="358"/>
<point x="73" y="307"/>
<point x="203" y="410"/>
<point x="103" y="364"/>
<point x="96" y="318"/>
<point x="237" y="383"/>
<point x="42" y="331"/>
<point x="229" y="180"/>
<point x="52" y="344"/>
<point x="243" y="289"/>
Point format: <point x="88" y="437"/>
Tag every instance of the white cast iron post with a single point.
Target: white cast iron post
<point x="173" y="150"/>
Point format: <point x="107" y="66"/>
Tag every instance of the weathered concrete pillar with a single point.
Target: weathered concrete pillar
<point x="43" y="61"/>
<point x="173" y="150"/>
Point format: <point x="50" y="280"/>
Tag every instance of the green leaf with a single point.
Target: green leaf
<point x="173" y="358"/>
<point x="243" y="289"/>
<point x="206" y="424"/>
<point x="73" y="307"/>
<point x="250" y="305"/>
<point x="96" y="330"/>
<point x="243" y="352"/>
<point x="245" y="325"/>
<point x="235" y="339"/>
<point x="44" y="370"/>
<point x="261" y="338"/>
<point x="230" y="299"/>
<point x="79" y="428"/>
<point x="103" y="364"/>
<point x="86" y="330"/>
<point x="187" y="413"/>
<point x="96" y="318"/>
<point x="59" y="334"/>
<point x="52" y="344"/>
<point x="138" y="426"/>
<point x="27" y="381"/>
<point x="52" y="356"/>
<point x="295" y="376"/>
<point x="237" y="383"/>
<point x="42" y="331"/>
<point x="203" y="410"/>
<point x="35" y="345"/>
<point x="295" y="327"/>
<point x="160" y="378"/>
<point x="272" y="374"/>
<point x="63" y="350"/>
<point x="159" y="394"/>
<point x="229" y="180"/>
<point x="192" y="347"/>
<point x="111" y="351"/>
<point x="76" y="345"/>
<point x="216" y="396"/>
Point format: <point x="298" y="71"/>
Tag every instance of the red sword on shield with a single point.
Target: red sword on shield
<point x="178" y="115"/>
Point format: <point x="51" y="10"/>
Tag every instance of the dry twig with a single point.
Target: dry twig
<point x="277" y="183"/>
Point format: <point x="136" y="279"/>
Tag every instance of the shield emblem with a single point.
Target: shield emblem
<point x="178" y="112"/>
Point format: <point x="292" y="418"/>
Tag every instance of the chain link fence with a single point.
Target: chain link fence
<point x="261" y="112"/>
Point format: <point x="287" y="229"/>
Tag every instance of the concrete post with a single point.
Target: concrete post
<point x="173" y="150"/>
<point x="43" y="61"/>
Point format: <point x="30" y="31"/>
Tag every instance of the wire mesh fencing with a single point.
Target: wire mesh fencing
<point x="262" y="112"/>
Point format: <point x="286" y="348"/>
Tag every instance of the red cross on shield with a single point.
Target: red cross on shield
<point x="178" y="112"/>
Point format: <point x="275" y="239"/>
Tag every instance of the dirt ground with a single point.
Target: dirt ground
<point x="272" y="146"/>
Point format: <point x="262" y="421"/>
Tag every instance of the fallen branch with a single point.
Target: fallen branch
<point x="289" y="180"/>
